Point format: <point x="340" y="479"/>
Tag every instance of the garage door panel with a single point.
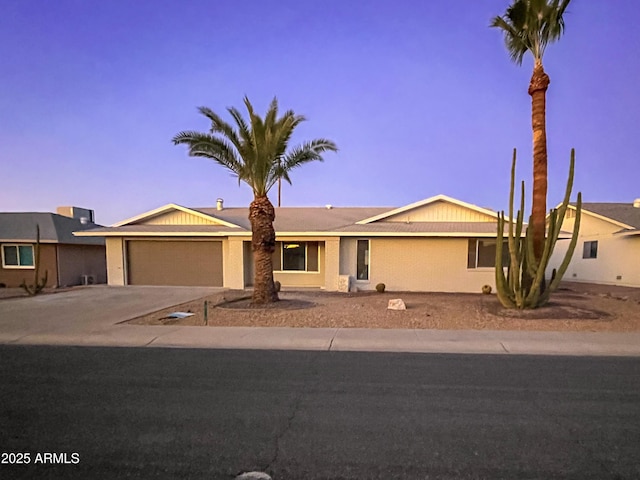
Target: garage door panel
<point x="188" y="263"/>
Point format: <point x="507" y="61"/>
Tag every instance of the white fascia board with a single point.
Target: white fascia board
<point x="157" y="234"/>
<point x="289" y="234"/>
<point x="427" y="201"/>
<point x="389" y="234"/>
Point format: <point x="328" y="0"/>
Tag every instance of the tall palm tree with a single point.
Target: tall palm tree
<point x="257" y="152"/>
<point x="529" y="26"/>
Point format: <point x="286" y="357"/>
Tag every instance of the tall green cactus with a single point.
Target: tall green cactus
<point x="525" y="284"/>
<point x="38" y="283"/>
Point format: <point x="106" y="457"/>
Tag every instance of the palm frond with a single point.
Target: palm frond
<point x="530" y="25"/>
<point x="306" y="152"/>
<point x="209" y="146"/>
<point x="257" y="149"/>
<point x="218" y="125"/>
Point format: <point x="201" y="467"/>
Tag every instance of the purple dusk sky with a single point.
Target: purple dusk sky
<point x="420" y="96"/>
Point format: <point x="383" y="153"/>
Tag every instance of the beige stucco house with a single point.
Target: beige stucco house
<point x="438" y="244"/>
<point x="608" y="249"/>
<point x="68" y="259"/>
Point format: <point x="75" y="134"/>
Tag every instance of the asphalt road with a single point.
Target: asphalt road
<point x="213" y="414"/>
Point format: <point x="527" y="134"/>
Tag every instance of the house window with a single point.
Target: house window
<point x="296" y="257"/>
<point x="362" y="267"/>
<point x="482" y="253"/>
<point x="17" y="256"/>
<point x="590" y="249"/>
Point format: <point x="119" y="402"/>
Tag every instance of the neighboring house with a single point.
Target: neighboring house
<point x="68" y="260"/>
<point x="608" y="249"/>
<point x="438" y="244"/>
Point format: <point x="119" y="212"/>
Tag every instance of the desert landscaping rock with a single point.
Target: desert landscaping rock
<point x="574" y="308"/>
<point x="396" y="304"/>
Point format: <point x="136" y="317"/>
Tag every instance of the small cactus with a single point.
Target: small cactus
<point x="380" y="287"/>
<point x="486" y="289"/>
<point x="38" y="283"/>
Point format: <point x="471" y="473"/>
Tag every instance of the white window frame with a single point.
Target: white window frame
<point x="18" y="267"/>
<point x="590" y="249"/>
<point x="477" y="245"/>
<point x="306" y="258"/>
<point x="368" y="260"/>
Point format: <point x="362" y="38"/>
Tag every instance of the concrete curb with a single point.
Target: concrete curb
<point x="342" y="340"/>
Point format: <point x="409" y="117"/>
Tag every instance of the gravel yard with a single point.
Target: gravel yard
<point x="574" y="307"/>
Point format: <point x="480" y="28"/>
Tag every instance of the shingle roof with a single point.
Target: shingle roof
<point x="54" y="228"/>
<point x="622" y="212"/>
<point x="300" y="219"/>
<point x="305" y="221"/>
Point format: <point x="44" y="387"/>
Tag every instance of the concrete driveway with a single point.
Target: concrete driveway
<point x="86" y="311"/>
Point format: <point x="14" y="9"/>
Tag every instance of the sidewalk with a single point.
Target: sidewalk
<point x="90" y="318"/>
<point x="373" y="340"/>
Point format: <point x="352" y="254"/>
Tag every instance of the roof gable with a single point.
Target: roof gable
<point x="623" y="215"/>
<point x="173" y="214"/>
<point x="440" y="208"/>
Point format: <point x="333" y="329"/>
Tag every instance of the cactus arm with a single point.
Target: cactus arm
<point x="567" y="193"/>
<point x="532" y="264"/>
<point x="514" y="280"/>
<point x="503" y="292"/>
<point x="572" y="246"/>
<point x="534" y="293"/>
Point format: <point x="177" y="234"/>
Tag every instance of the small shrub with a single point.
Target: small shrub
<point x="380" y="287"/>
<point x="486" y="289"/>
<point x="277" y="285"/>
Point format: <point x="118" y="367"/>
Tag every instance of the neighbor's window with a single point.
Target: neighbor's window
<point x="296" y="257"/>
<point x="482" y="253"/>
<point x="590" y="249"/>
<point x="362" y="260"/>
<point x="17" y="256"/>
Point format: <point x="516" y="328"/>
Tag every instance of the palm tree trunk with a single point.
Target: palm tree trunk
<point x="263" y="243"/>
<point x="537" y="90"/>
